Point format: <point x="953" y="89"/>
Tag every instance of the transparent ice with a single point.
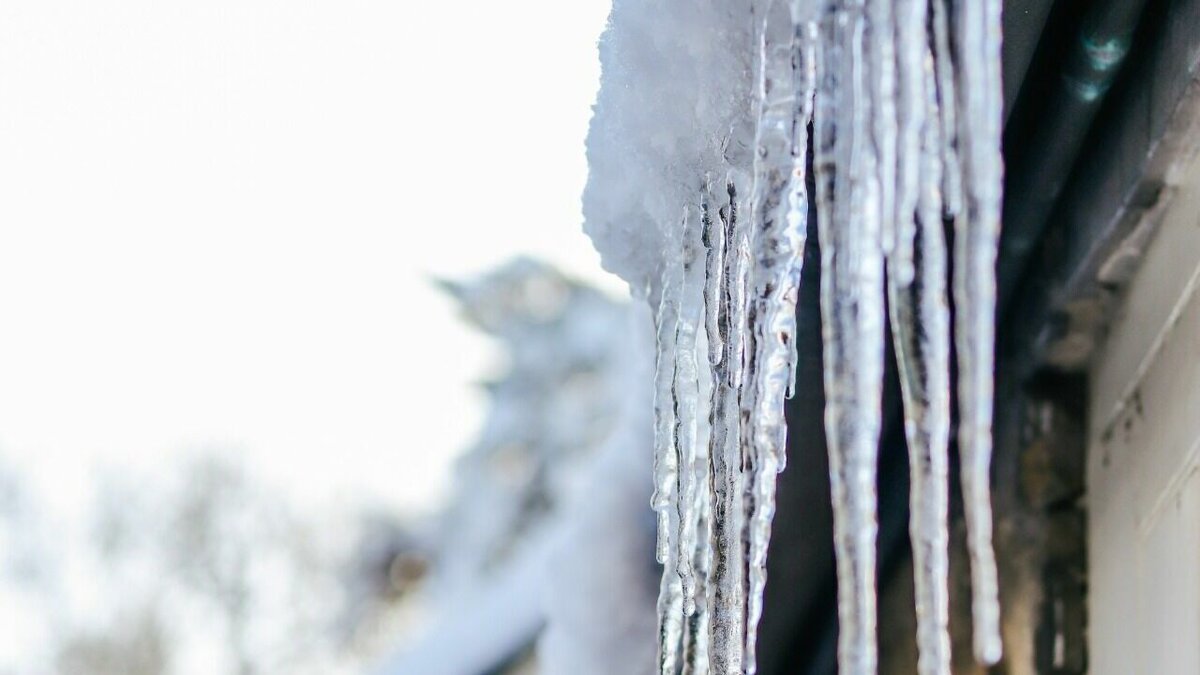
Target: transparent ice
<point x="717" y="109"/>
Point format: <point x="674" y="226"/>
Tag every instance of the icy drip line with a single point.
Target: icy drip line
<point x="903" y="98"/>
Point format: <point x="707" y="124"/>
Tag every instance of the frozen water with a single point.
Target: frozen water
<point x="920" y="317"/>
<point x="687" y="400"/>
<point x="852" y="308"/>
<point x="976" y="241"/>
<point x="780" y="224"/>
<point x="705" y="109"/>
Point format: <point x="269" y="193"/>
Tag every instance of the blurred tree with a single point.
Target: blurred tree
<point x="137" y="646"/>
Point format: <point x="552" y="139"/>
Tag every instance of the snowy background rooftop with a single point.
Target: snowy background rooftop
<point x="223" y="226"/>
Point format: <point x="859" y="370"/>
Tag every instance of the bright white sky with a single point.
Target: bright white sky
<point x="218" y="220"/>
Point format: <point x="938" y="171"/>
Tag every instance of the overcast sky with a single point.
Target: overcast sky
<point x="218" y="220"/>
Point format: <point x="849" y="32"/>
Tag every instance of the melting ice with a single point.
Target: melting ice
<point x="699" y="153"/>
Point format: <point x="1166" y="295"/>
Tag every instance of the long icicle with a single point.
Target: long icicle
<point x="771" y="167"/>
<point x="726" y="592"/>
<point x="797" y="199"/>
<point x="852" y="308"/>
<point x="665" y="460"/>
<point x="976" y="241"/>
<point x="696" y="646"/>
<point x="921" y="330"/>
<point x="685" y="391"/>
<point x="666" y="464"/>
<point x="804" y="23"/>
<point x="780" y="216"/>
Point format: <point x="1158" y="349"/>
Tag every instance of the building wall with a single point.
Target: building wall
<point x="1143" y="467"/>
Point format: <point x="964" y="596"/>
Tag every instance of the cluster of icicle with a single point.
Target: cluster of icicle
<point x="903" y="100"/>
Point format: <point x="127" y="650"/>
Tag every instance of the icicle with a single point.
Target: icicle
<point x="665" y="458"/>
<point x="976" y="239"/>
<point x="666" y="465"/>
<point x="727" y="592"/>
<point x="921" y="330"/>
<point x="686" y="397"/>
<point x="804" y="71"/>
<point x="906" y="116"/>
<point x="779" y="217"/>
<point x="852" y="309"/>
<point x="696" y="641"/>
<point x="683" y="301"/>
